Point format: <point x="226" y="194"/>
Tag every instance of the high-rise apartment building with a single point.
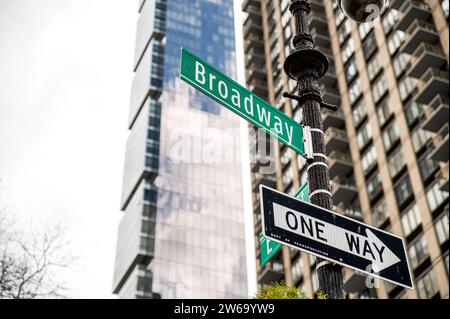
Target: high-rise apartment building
<point x="182" y="232"/>
<point x="387" y="145"/>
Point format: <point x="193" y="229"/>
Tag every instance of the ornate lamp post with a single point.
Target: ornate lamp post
<point x="307" y="65"/>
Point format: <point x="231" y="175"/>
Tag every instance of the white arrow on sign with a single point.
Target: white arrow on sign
<point x="368" y="247"/>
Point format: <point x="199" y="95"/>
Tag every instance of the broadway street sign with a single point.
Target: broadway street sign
<point x="244" y="103"/>
<point x="334" y="237"/>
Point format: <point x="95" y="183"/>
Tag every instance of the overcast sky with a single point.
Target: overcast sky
<point x="65" y="78"/>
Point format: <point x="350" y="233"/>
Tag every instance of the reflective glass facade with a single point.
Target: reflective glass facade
<point x="182" y="234"/>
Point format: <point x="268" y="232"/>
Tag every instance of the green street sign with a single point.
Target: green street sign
<point x="268" y="247"/>
<point x="303" y="192"/>
<point x="243" y="102"/>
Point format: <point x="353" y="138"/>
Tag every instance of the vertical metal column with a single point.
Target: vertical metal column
<point x="307" y="65"/>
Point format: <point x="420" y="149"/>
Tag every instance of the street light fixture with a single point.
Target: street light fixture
<point x="362" y="11"/>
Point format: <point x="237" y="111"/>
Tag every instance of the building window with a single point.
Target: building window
<point x="435" y="196"/>
<point x="285" y="155"/>
<point x="390" y="136"/>
<point x="338" y="17"/>
<point x="380" y="213"/>
<point x="364" y="135"/>
<point x="406" y="86"/>
<point x="344" y="30"/>
<point x="364" y="29"/>
<point x="350" y="70"/>
<point x="373" y="67"/>
<point x="396" y="162"/>
<point x="403" y="190"/>
<point x="347" y="50"/>
<point x="395" y="40"/>
<point x="379" y="88"/>
<point x="287" y="176"/>
<point x="413" y="112"/>
<point x="418" y="251"/>
<point x="411" y="220"/>
<point x="427" y="167"/>
<point x="354" y="92"/>
<point x="369" y="159"/>
<point x="369" y="45"/>
<point x="419" y="138"/>
<point x="359" y="112"/>
<point x="427" y="285"/>
<point x="389" y="20"/>
<point x="374" y="186"/>
<point x="400" y="62"/>
<point x="384" y="112"/>
<point x="441" y="227"/>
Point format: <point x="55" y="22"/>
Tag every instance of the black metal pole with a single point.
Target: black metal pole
<point x="307" y="65"/>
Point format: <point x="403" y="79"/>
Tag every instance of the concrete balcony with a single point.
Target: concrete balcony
<point x="417" y="33"/>
<point x="254" y="42"/>
<point x="436" y="115"/>
<point x="330" y="96"/>
<point x="257" y="86"/>
<point x="252" y="26"/>
<point x="271" y="272"/>
<point x="255" y="71"/>
<point x="348" y="211"/>
<point x="432" y="83"/>
<point x="396" y="4"/>
<point x="255" y="57"/>
<point x="246" y="4"/>
<point x="268" y="180"/>
<point x="332" y="119"/>
<point x="425" y="57"/>
<point x="440" y="142"/>
<point x="343" y="190"/>
<point x="411" y="10"/>
<point x="339" y="163"/>
<point x="443" y="176"/>
<point x="336" y="140"/>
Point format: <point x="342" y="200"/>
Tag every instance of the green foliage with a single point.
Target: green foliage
<point x="279" y="290"/>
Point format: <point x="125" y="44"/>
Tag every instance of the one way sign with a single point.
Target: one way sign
<point x="334" y="237"/>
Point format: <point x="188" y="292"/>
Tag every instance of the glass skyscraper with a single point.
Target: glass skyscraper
<point x="182" y="233"/>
